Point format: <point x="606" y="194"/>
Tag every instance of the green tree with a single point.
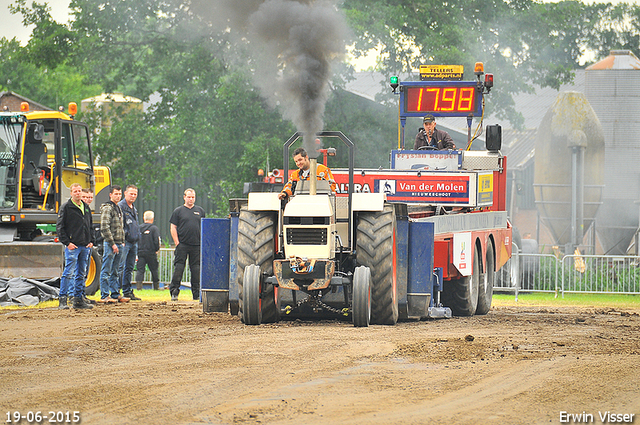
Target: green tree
<point x="41" y="70"/>
<point x="522" y="42"/>
<point x="209" y="120"/>
<point x="51" y="43"/>
<point x="131" y="147"/>
<point x="370" y="126"/>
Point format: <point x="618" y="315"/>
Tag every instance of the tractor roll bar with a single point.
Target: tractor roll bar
<point x="352" y="152"/>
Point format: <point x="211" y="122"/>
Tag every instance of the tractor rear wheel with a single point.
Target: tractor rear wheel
<point x="485" y="292"/>
<point x="375" y="249"/>
<point x="92" y="282"/>
<point x="361" y="304"/>
<point x="461" y="295"/>
<point x="256" y="245"/>
<point x="252" y="312"/>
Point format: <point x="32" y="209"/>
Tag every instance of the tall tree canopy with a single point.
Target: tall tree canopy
<point x="206" y="118"/>
<point x="523" y="42"/>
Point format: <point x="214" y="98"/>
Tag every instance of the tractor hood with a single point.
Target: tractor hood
<point x="309" y="206"/>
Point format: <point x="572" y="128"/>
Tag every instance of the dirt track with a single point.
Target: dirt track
<point x="168" y="363"/>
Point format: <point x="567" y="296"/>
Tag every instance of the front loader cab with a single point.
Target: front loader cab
<point x="36" y="172"/>
<point x="42" y="153"/>
<point x="56" y="154"/>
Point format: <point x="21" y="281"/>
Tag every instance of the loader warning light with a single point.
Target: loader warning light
<point x="24" y="107"/>
<point x="73" y="108"/>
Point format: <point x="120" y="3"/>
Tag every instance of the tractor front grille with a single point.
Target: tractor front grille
<point x="307" y="236"/>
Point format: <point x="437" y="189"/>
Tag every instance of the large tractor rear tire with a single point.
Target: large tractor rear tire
<point x="375" y="249"/>
<point x="488" y="278"/>
<point x="361" y="305"/>
<point x="92" y="283"/>
<point x="256" y="246"/>
<point x="461" y="295"/>
<point x="252" y="312"/>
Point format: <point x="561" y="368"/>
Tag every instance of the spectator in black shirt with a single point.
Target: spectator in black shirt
<point x="185" y="232"/>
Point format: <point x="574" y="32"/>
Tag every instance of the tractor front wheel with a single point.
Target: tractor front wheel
<point x="252" y="311"/>
<point x="361" y="304"/>
<point x="270" y="304"/>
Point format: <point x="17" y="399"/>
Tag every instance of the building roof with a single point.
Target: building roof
<point x="112" y="97"/>
<point x="32" y="104"/>
<point x="617" y="59"/>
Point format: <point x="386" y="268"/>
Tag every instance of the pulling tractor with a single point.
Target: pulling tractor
<point x="421" y="239"/>
<point x="319" y="254"/>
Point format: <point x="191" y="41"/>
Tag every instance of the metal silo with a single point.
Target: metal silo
<point x="569" y="170"/>
<point x="612" y="87"/>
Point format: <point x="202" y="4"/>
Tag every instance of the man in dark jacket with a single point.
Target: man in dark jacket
<point x="74" y="228"/>
<point x="148" y="248"/>
<point x="428" y="135"/>
<point x="131" y="237"/>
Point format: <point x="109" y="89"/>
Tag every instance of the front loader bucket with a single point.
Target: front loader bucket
<point x="33" y="260"/>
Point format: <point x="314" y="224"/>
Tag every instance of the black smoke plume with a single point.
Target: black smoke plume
<point x="292" y="44"/>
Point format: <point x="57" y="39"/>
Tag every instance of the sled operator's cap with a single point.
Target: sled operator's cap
<point x="429" y="118"/>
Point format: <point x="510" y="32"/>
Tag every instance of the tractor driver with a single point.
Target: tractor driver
<point x="303" y="163"/>
<point x="428" y="135"/>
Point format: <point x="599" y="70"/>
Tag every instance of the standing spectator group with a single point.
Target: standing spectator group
<point x="123" y="241"/>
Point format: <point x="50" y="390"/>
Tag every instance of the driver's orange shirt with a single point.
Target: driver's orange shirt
<point x="322" y="172"/>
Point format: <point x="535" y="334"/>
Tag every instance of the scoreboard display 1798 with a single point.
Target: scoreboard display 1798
<point x="442" y="98"/>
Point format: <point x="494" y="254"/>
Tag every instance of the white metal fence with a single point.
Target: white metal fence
<point x="525" y="272"/>
<point x="165" y="268"/>
<point x="570" y="273"/>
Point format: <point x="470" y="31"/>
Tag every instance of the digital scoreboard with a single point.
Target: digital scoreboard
<point x="441" y="98"/>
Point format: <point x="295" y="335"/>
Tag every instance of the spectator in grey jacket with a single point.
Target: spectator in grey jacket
<point x="112" y="229"/>
<point x="131" y="238"/>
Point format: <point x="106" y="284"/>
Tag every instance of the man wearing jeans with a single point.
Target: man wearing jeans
<point x="74" y="227"/>
<point x="112" y="231"/>
<point x="185" y="231"/>
<point x="131" y="238"/>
